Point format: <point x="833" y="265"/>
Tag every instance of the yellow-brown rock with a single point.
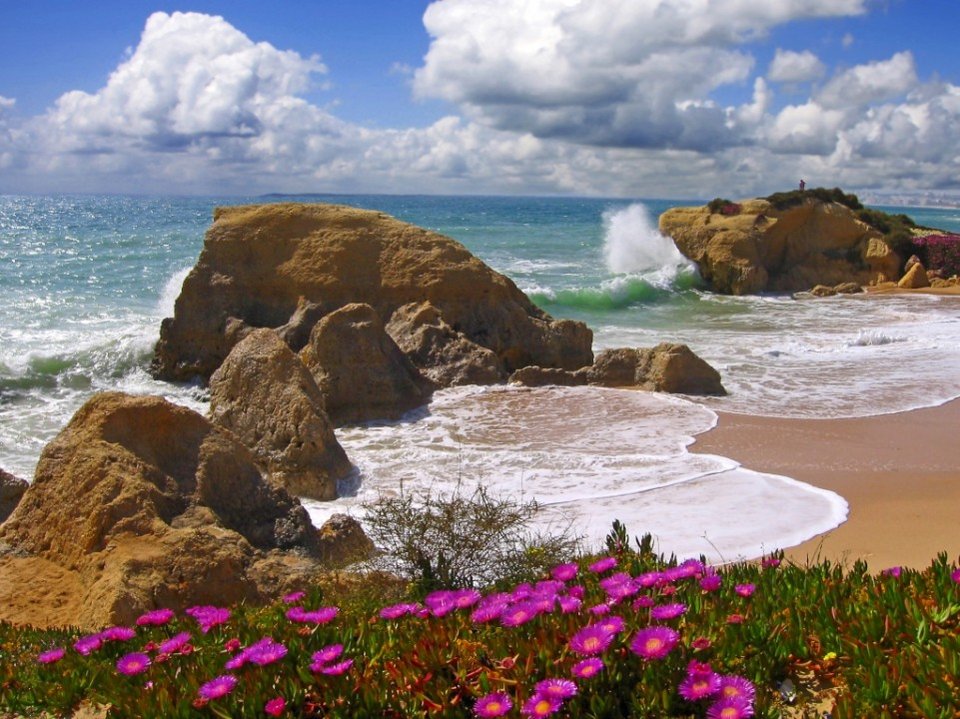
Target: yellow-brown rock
<point x="668" y="367"/>
<point x="259" y="263"/>
<point x="915" y="279"/>
<point x="11" y="490"/>
<point x="764" y="249"/>
<point x="139" y="503"/>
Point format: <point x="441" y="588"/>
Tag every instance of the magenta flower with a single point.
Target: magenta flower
<point x="293" y="598"/>
<point x="745" y="590"/>
<point x="540" y="706"/>
<point x="701" y="643"/>
<point x="492" y="705"/>
<point x="564" y="572"/>
<point x="955" y="576"/>
<point x="577" y="591"/>
<point x="487" y="613"/>
<point x="466" y="598"/>
<point x="117" y="634"/>
<point x="654" y="642"/>
<point x="327" y="654"/>
<point x="51" y="656"/>
<point x="587" y="668"/>
<point x="175" y="643"/>
<point x="649" y="579"/>
<point x="771" y="562"/>
<point x="132" y="664"/>
<point x="209" y="617"/>
<point x="668" y="611"/>
<point x="735" y="619"/>
<point x="266" y="651"/>
<point x="395" y="611"/>
<point x="711" y="582"/>
<point x="737" y="687"/>
<point x="619" y="585"/>
<point x="590" y="640"/>
<point x="323" y="615"/>
<point x="238" y="661"/>
<point x="689" y="569"/>
<point x="894" y="572"/>
<point x="335" y="669"/>
<point x="613" y="624"/>
<point x="275" y="707"/>
<point x="599" y="610"/>
<point x="219" y="687"/>
<point x="155" y="618"/>
<point x="699" y="685"/>
<point x="569" y="605"/>
<point x="643" y="602"/>
<point x="734" y="708"/>
<point x="518" y="614"/>
<point x="603" y="565"/>
<point x="88" y="644"/>
<point x="559" y="689"/>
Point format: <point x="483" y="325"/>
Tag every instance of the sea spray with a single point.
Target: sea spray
<point x="632" y="245"/>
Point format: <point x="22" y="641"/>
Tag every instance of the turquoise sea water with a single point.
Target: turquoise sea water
<point x="86" y="281"/>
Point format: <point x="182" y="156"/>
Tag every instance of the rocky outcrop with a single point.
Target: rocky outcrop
<point x="756" y="247"/>
<point x="342" y="541"/>
<point x="286" y="264"/>
<point x="845" y="288"/>
<point x="360" y="371"/>
<point x="11" y="491"/>
<point x="915" y="279"/>
<point x="265" y="395"/>
<point x="444" y="356"/>
<point x="144" y="504"/>
<point x="665" y="368"/>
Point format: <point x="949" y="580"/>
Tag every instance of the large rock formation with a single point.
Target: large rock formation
<point x="668" y="367"/>
<point x="360" y="371"/>
<point x="140" y="503"/>
<point x="11" y="490"/>
<point x="259" y="264"/>
<point x="754" y="247"/>
<point x="265" y="395"/>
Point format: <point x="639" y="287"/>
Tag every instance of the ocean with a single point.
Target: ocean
<point x="87" y="279"/>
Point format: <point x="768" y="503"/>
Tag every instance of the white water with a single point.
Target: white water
<point x="633" y="245"/>
<point x="587" y="456"/>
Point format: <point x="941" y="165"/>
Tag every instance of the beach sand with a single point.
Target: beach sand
<point x="900" y="474"/>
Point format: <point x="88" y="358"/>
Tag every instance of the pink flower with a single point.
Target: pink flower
<point x="602" y="565"/>
<point x="745" y="590"/>
<point x="88" y="644"/>
<point x="540" y="706"/>
<point x="175" y="643"/>
<point x="117" y="634"/>
<point x="323" y="615"/>
<point x="336" y="669"/>
<point x="132" y="664"/>
<point x="395" y="611"/>
<point x="955" y="576"/>
<point x="735" y="619"/>
<point x="893" y="572"/>
<point x="293" y="597"/>
<point x="328" y="654"/>
<point x="51" y="656"/>
<point x="569" y="605"/>
<point x="730" y="709"/>
<point x="219" y="687"/>
<point x="668" y="611"/>
<point x="266" y="651"/>
<point x="275" y="707"/>
<point x="701" y="643"/>
<point x="654" y="642"/>
<point x="556" y="688"/>
<point x="590" y="640"/>
<point x="599" y="610"/>
<point x="209" y="617"/>
<point x="587" y="668"/>
<point x="564" y="572"/>
<point x="492" y="705"/>
<point x="771" y="562"/>
<point x="155" y="618"/>
<point x="711" y="582"/>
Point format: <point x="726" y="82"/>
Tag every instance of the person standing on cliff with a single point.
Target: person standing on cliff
<point x="802" y="185"/>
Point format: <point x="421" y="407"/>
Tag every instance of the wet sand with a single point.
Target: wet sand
<point x="900" y="474"/>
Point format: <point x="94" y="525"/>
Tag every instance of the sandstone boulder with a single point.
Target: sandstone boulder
<point x="823" y="291"/>
<point x="259" y="261"/>
<point x="546" y="377"/>
<point x="265" y="395"/>
<point x="342" y="541"/>
<point x="11" y="491"/>
<point x="763" y="248"/>
<point x="444" y="356"/>
<point x="915" y="279"/>
<point x="667" y="367"/>
<point x="148" y="504"/>
<point x="360" y="371"/>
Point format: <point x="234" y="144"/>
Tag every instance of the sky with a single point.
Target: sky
<point x="613" y="98"/>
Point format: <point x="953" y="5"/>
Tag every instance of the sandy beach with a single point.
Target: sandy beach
<point x="900" y="474"/>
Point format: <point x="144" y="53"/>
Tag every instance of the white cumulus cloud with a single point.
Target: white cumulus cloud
<point x="871" y="82"/>
<point x="790" y="66"/>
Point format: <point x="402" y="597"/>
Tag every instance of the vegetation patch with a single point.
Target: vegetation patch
<point x="623" y="633"/>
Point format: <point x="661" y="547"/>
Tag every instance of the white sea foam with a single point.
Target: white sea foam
<point x="587" y="456"/>
<point x="633" y="245"/>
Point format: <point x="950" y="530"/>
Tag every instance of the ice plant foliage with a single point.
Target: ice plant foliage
<point x="672" y="641"/>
